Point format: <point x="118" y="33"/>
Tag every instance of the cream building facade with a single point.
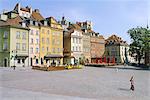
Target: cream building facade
<point x="117" y="49"/>
<point x="34" y="43"/>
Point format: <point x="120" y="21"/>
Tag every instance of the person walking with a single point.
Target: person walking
<point x="132" y="84"/>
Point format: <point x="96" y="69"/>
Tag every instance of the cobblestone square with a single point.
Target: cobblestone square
<point x="89" y="83"/>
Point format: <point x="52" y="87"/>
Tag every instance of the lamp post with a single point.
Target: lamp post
<point x="14" y="56"/>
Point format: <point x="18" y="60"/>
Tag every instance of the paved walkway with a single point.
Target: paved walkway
<point x="80" y="84"/>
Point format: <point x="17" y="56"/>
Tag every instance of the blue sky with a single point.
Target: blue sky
<point x="108" y="16"/>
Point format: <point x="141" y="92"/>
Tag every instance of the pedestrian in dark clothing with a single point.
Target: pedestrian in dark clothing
<point x="132" y="84"/>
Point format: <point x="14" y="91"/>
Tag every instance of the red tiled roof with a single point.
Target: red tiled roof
<point x="74" y="26"/>
<point x="13" y="21"/>
<point x="37" y="16"/>
<point x="115" y="40"/>
<point x="90" y="31"/>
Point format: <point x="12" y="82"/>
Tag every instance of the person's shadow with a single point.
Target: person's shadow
<point x="123" y="89"/>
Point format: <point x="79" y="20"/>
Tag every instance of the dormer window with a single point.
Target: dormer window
<point x="31" y="22"/>
<point x="36" y="23"/>
<point x="23" y="24"/>
<point x="45" y="23"/>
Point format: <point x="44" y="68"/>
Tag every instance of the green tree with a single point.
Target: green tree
<point x="140" y="42"/>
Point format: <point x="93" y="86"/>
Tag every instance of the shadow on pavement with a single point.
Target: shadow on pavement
<point x="123" y="89"/>
<point x="123" y="67"/>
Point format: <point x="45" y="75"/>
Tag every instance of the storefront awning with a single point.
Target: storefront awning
<point x="66" y="56"/>
<point x="21" y="56"/>
<point x="52" y="56"/>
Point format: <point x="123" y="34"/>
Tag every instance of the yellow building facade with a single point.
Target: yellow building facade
<point x="51" y="42"/>
<point x="45" y="37"/>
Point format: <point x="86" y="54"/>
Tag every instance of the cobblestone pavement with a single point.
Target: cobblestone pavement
<point x="89" y="83"/>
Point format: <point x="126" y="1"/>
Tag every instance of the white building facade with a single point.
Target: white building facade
<point x="76" y="46"/>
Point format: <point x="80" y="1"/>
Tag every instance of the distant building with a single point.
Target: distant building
<point x="93" y="43"/>
<point x="85" y="27"/>
<point x="118" y="49"/>
<point x="86" y="47"/>
<point x="73" y="42"/>
<point x="97" y="46"/>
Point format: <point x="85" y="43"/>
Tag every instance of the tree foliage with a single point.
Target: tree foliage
<point x="140" y="42"/>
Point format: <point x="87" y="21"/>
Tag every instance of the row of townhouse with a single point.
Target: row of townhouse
<point x="27" y="39"/>
<point x="36" y="40"/>
<point x="81" y="43"/>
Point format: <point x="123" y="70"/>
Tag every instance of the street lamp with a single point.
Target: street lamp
<point x="14" y="56"/>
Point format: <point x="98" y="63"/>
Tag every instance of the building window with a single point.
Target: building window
<point x="76" y="48"/>
<point x="73" y="40"/>
<point x="5" y="35"/>
<point x="24" y="46"/>
<point x="42" y="49"/>
<point x="23" y="61"/>
<point x="73" y="48"/>
<point x="47" y="49"/>
<point x="58" y="50"/>
<point x="31" y="40"/>
<point x="58" y="34"/>
<point x="36" y="23"/>
<point x="37" y="50"/>
<point x="36" y="61"/>
<point x="18" y="61"/>
<point x="5" y="45"/>
<point x="31" y="32"/>
<point x="58" y="42"/>
<point x="53" y="33"/>
<point x="37" y="41"/>
<point x="53" y="41"/>
<point x="42" y="40"/>
<point x="37" y="32"/>
<point x="17" y="46"/>
<point x="58" y="62"/>
<point x="43" y="31"/>
<point x="17" y="35"/>
<point x="31" y="49"/>
<point x="24" y="35"/>
<point x="47" y="40"/>
<point x="79" y="48"/>
<point x="80" y="41"/>
<point x="77" y="40"/>
<point x="48" y="32"/>
<point x="53" y="50"/>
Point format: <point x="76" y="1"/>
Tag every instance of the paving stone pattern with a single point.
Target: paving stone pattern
<point x="89" y="83"/>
